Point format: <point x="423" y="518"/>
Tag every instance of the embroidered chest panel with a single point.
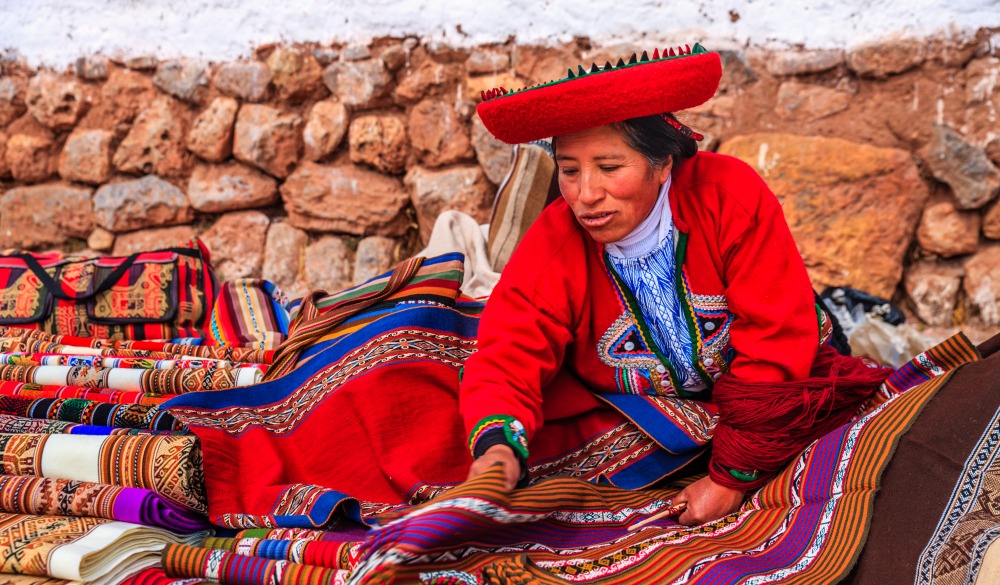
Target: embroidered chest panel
<point x="640" y="367"/>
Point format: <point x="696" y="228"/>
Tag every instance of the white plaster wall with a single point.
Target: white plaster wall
<point x="54" y="32"/>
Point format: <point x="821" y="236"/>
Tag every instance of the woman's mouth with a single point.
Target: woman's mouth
<point x="596" y="220"/>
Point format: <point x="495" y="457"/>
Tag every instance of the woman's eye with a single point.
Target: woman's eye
<point x="609" y="168"/>
<point x="567" y="172"/>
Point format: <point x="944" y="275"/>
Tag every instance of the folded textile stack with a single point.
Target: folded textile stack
<point x="98" y="479"/>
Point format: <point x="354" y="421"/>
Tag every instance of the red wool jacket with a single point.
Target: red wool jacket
<point x="557" y="316"/>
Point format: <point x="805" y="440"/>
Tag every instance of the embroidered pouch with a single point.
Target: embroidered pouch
<point x="23" y="298"/>
<point x="164" y="294"/>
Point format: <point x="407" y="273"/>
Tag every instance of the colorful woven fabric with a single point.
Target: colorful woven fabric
<point x="250" y="313"/>
<point x="331" y="535"/>
<point x="19" y="425"/>
<point x="96" y="550"/>
<point x="169" y="465"/>
<point x="175" y="381"/>
<point x="106" y="395"/>
<point x="332" y="555"/>
<point x="188" y="562"/>
<point x="311" y="323"/>
<point x="43" y="496"/>
<point x="805" y="526"/>
<point x="277" y="436"/>
<point x="156" y="576"/>
<point x="97" y="361"/>
<point x="89" y="412"/>
<point x="14" y="339"/>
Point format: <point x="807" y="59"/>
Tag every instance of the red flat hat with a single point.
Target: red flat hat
<point x="677" y="80"/>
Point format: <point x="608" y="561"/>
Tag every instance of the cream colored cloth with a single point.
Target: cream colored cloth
<point x="455" y="231"/>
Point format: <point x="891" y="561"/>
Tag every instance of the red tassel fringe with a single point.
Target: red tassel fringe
<point x="763" y="425"/>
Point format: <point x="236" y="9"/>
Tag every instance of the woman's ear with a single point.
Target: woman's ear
<point x="664" y="172"/>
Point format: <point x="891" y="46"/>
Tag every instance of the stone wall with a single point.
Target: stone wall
<point x="320" y="166"/>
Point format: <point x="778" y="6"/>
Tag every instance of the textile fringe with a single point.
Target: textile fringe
<point x="310" y="325"/>
<point x="763" y="425"/>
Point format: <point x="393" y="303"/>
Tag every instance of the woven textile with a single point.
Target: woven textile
<point x="96" y="550"/>
<point x="174" y="381"/>
<point x="805" y="526"/>
<point x="393" y="368"/>
<point x="944" y="532"/>
<point x="233" y="569"/>
<point x="14" y="339"/>
<point x="250" y="313"/>
<point x="89" y="412"/>
<point x="43" y="496"/>
<point x="156" y="576"/>
<point x="19" y="425"/>
<point x="332" y="555"/>
<point x="107" y="395"/>
<point x="169" y="465"/>
<point x="97" y="361"/>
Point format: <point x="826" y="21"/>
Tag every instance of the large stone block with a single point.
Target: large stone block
<point x="12" y="92"/>
<point x="438" y="135"/>
<point x="806" y="103"/>
<point x="211" y="135"/>
<point x="463" y="189"/>
<point x="325" y="129"/>
<point x="230" y="186"/>
<point x="379" y="141"/>
<point x="296" y="74"/>
<point x="86" y="157"/>
<point x="249" y="81"/>
<point x="155" y="144"/>
<point x="493" y="155"/>
<point x="328" y="264"/>
<point x="982" y="285"/>
<point x="488" y="60"/>
<point x="851" y="207"/>
<point x="236" y="242"/>
<point x="44" y="215"/>
<point x="92" y="67"/>
<point x="946" y="231"/>
<point x="344" y="199"/>
<point x="121" y="98"/>
<point x="418" y="80"/>
<point x="268" y="139"/>
<point x="885" y="58"/>
<point x="4" y="167"/>
<point x="152" y="239"/>
<point x="56" y="101"/>
<point x="964" y="166"/>
<point x="283" y="256"/>
<point x="375" y="255"/>
<point x="802" y="62"/>
<point x="186" y="79"/>
<point x="932" y="288"/>
<point x="358" y="84"/>
<point x="31" y="159"/>
<point x="140" y="203"/>
<point x="991" y="222"/>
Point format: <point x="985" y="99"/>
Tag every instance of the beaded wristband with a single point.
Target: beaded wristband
<point x="512" y="429"/>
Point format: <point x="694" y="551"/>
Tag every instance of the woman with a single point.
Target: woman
<point x="662" y="302"/>
<point x="689" y="251"/>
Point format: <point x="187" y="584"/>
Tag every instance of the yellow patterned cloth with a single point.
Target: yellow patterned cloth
<point x="168" y="465"/>
<point x="95" y="550"/>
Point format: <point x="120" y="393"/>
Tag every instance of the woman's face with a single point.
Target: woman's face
<point x="609" y="186"/>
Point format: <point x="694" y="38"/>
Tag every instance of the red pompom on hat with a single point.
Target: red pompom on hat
<point x="677" y="80"/>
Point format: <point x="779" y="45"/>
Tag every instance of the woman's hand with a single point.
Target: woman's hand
<point x="707" y="501"/>
<point x="503" y="454"/>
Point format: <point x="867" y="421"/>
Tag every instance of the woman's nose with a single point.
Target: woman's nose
<point x="590" y="189"/>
